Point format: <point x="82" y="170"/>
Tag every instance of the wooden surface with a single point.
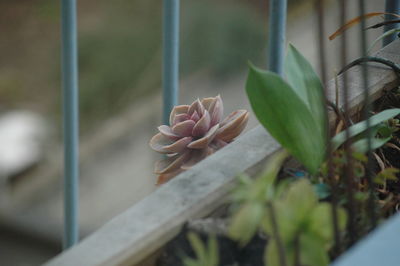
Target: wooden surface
<point x="146" y="226"/>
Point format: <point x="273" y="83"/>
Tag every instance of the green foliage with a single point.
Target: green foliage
<point x="386" y="174"/>
<point x="377" y="125"/>
<point x="205" y="255"/>
<point x="303" y="225"/>
<point x="252" y="197"/>
<point x="293" y="113"/>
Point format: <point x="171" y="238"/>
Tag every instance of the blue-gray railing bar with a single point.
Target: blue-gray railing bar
<point x="276" y="36"/>
<point x="170" y="57"/>
<point x="391" y="6"/>
<point x="70" y="121"/>
<point x="367" y="112"/>
<point x="378" y="248"/>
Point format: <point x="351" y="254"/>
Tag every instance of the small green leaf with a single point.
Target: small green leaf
<point x="386" y="174"/>
<point x="286" y="117"/>
<point x="246" y="222"/>
<point x="205" y="256"/>
<point x="197" y="246"/>
<point x="360" y="127"/>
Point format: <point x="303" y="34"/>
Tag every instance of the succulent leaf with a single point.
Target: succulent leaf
<point x="195" y="131"/>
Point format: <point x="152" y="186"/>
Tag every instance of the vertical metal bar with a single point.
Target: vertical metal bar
<point x="348" y="169"/>
<point x="367" y="111"/>
<point x="391" y="6"/>
<point x="276" y="36"/>
<point x="171" y="57"/>
<point x="70" y="121"/>
<point x="331" y="179"/>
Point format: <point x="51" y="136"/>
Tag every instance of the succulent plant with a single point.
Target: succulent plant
<point x="195" y="131"/>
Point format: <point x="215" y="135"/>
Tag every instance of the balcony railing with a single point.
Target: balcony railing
<point x="145" y="227"/>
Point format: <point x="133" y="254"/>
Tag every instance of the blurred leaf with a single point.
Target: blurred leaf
<point x="312" y="252"/>
<point x="386" y="174"/>
<point x="213" y="251"/>
<point x="286" y="117"/>
<point x="300" y="198"/>
<point x="355" y="21"/>
<point x="306" y="83"/>
<point x="360" y="127"/>
<point x="360" y="157"/>
<point x="322" y="190"/>
<point x="197" y="246"/>
<point x="360" y="196"/>
<point x="321" y="222"/>
<point x="271" y="254"/>
<point x="362" y="144"/>
<point x="205" y="256"/>
<point x="271" y="170"/>
<point x="385" y="34"/>
<point x="246" y="221"/>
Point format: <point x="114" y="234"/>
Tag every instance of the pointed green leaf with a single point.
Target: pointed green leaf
<point x="197" y="246"/>
<point x="362" y="144"/>
<point x="306" y="83"/>
<point x="360" y="127"/>
<point x="286" y="117"/>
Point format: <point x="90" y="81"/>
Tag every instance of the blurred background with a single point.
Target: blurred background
<point x="120" y="99"/>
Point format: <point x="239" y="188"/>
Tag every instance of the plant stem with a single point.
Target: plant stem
<point x="297" y="250"/>
<point x="276" y="236"/>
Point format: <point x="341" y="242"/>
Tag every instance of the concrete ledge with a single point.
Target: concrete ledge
<point x="139" y="231"/>
<point x="148" y="225"/>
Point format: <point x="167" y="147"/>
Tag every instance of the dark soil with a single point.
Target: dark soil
<point x="230" y="252"/>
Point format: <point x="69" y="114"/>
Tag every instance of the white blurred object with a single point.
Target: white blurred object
<point x="22" y="134"/>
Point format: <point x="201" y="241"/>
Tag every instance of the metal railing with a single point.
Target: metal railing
<point x="70" y="121"/>
<point x="276" y="47"/>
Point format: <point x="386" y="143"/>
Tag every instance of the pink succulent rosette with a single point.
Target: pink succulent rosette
<point x="195" y="132"/>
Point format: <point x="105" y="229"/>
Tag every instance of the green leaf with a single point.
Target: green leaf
<point x="362" y="144"/>
<point x="300" y="199"/>
<point x="286" y="117"/>
<point x="205" y="256"/>
<point x="246" y="222"/>
<point x="321" y="222"/>
<point x="360" y="127"/>
<point x="386" y="174"/>
<point x="306" y="83"/>
<point x="197" y="246"/>
<point x="271" y="254"/>
<point x="387" y="33"/>
<point x="313" y="252"/>
<point x="213" y="256"/>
